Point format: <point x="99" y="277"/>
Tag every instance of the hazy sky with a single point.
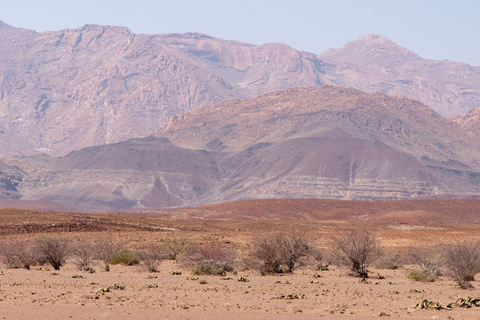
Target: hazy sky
<point x="434" y="29"/>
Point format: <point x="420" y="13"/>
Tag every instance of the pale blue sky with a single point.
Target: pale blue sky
<point x="434" y="29"/>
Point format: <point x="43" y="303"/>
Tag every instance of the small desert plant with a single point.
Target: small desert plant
<point x="462" y="262"/>
<point x="429" y="261"/>
<point x="84" y="253"/>
<point x="209" y="267"/>
<point x="126" y="257"/>
<point x="357" y="249"/>
<point x="152" y="257"/>
<point x="18" y="254"/>
<point x="390" y="261"/>
<point x="281" y="252"/>
<point x="175" y="246"/>
<point x="420" y="275"/>
<point x="106" y="249"/>
<point x="52" y="250"/>
<point x="213" y="258"/>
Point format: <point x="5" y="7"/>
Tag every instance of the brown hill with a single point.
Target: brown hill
<point x="431" y="211"/>
<point x="64" y="90"/>
<point x="322" y="142"/>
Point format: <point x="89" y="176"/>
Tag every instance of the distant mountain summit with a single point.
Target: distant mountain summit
<point x="374" y="63"/>
<point x="64" y="90"/>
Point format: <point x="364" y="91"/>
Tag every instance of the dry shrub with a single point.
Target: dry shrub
<point x="175" y="246"/>
<point x="357" y="249"/>
<point x="84" y="253"/>
<point x="388" y="260"/>
<point x="462" y="262"/>
<point x="212" y="258"/>
<point x="18" y="254"/>
<point x="52" y="250"/>
<point x="429" y="260"/>
<point x="281" y="252"/>
<point x="152" y="257"/>
<point x="106" y="249"/>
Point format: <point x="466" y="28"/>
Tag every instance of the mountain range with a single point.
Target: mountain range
<point x="100" y="118"/>
<point x="64" y="90"/>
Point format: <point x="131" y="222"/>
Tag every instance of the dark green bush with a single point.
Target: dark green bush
<point x="209" y="267"/>
<point x="125" y="257"/>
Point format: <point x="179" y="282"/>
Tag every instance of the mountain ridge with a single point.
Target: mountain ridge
<point x="112" y="84"/>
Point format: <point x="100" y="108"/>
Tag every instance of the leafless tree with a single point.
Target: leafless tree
<point x="357" y="249"/>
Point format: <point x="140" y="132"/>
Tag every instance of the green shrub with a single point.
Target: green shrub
<point x="391" y="261"/>
<point x="420" y="275"/>
<point x="210" y="267"/>
<point x="125" y="257"/>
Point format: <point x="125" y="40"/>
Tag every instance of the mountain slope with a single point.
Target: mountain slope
<point x="322" y="142"/>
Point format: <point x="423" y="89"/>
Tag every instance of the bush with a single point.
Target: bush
<point x="420" y="275"/>
<point x="152" y="258"/>
<point x="209" y="267"/>
<point x="175" y="246"/>
<point x="429" y="261"/>
<point x="125" y="257"/>
<point x="18" y="254"/>
<point x="281" y="253"/>
<point x="52" y="250"/>
<point x="106" y="249"/>
<point x="84" y="253"/>
<point x="357" y="249"/>
<point x="462" y="261"/>
<point x="389" y="261"/>
<point x="210" y="259"/>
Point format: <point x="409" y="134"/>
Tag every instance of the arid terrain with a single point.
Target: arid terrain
<point x="332" y="294"/>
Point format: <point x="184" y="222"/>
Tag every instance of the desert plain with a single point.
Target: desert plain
<point x="174" y="293"/>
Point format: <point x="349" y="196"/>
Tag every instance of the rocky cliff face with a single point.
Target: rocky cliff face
<point x="65" y="90"/>
<point x="322" y="142"/>
<point x="10" y="178"/>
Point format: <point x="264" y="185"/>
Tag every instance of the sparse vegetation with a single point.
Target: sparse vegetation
<point x="106" y="249"/>
<point x="429" y="261"/>
<point x="357" y="249"/>
<point x="18" y="254"/>
<point x="52" y="250"/>
<point x="462" y="262"/>
<point x="176" y="245"/>
<point x="390" y="261"/>
<point x="281" y="252"/>
<point x="125" y="257"/>
<point x="152" y="257"/>
<point x="212" y="259"/>
<point x="83" y="253"/>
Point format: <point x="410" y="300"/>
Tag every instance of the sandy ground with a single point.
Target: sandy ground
<point x="42" y="293"/>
